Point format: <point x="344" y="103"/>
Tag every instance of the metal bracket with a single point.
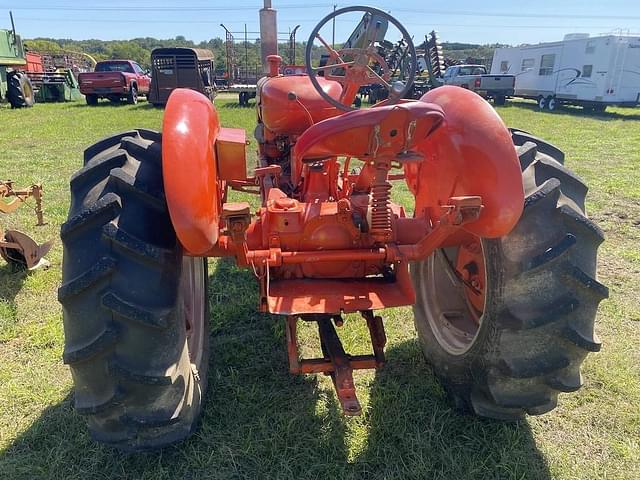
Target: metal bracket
<point x="336" y="362"/>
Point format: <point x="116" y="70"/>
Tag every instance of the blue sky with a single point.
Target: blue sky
<point x="477" y="21"/>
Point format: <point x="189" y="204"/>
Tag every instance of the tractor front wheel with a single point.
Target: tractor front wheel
<point x="506" y="323"/>
<point x="135" y="309"/>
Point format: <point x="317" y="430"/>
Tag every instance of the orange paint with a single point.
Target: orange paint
<point x="470" y="154"/>
<point x="189" y="170"/>
<point x="324" y="247"/>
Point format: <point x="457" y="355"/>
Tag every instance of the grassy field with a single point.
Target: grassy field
<point x="261" y="422"/>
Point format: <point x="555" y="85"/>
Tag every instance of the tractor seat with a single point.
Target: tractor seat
<point x="388" y="131"/>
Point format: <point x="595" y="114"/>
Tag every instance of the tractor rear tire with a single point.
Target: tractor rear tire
<point x="20" y="90"/>
<point x="91" y="99"/>
<point x="541" y="297"/>
<point x="135" y="309"/>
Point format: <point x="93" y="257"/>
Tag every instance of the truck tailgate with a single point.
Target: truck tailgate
<point x="497" y="82"/>
<point x="98" y="80"/>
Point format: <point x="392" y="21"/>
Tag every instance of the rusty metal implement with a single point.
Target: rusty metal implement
<point x="17" y="248"/>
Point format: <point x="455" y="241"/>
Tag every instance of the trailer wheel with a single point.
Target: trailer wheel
<point x="542" y="102"/>
<point x="135" y="309"/>
<point x="551" y="103"/>
<point x="506" y="323"/>
<point x="19" y="90"/>
<point x="91" y="99"/>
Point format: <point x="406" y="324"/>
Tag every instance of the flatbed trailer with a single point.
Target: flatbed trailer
<point x="245" y="92"/>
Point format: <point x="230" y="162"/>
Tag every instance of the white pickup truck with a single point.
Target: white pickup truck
<point x="476" y="79"/>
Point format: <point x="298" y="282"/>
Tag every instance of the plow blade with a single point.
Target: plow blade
<point x="18" y="248"/>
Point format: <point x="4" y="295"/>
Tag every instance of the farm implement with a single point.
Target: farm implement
<point x="17" y="248"/>
<point x="15" y="86"/>
<point x="494" y="250"/>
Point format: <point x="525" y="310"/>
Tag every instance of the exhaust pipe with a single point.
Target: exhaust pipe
<point x="268" y="34"/>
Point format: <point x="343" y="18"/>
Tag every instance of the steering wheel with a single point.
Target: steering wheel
<point x="353" y="67"/>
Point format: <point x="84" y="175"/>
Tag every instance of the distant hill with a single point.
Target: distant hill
<point x="472" y="53"/>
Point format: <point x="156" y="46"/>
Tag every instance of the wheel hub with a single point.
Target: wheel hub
<point x="456" y="294"/>
<point x="470" y="266"/>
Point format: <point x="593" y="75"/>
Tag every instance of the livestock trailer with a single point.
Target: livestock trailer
<point x="593" y="72"/>
<point x="179" y="67"/>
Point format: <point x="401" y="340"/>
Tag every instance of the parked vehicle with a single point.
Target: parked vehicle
<point x="498" y="258"/>
<point x="475" y="78"/>
<point x="592" y="72"/>
<point x="54" y="74"/>
<point x="116" y="80"/>
<point x="15" y="86"/>
<point x="173" y="68"/>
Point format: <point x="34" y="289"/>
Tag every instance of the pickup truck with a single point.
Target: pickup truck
<point x="115" y="80"/>
<point x="476" y="79"/>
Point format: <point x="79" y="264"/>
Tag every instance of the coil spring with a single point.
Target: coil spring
<point x="380" y="228"/>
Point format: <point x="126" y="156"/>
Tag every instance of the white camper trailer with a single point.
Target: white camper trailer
<point x="590" y="71"/>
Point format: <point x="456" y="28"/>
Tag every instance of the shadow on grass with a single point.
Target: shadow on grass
<point x="261" y="422"/>
<point x="11" y="280"/>
<point x="109" y="104"/>
<point x="575" y="111"/>
<point x="414" y="432"/>
<point x="237" y="106"/>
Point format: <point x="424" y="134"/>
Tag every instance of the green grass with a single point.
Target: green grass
<point x="262" y="422"/>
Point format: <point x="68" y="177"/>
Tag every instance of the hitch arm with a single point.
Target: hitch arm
<point x="458" y="211"/>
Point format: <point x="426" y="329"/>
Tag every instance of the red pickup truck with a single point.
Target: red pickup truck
<point x="115" y="80"/>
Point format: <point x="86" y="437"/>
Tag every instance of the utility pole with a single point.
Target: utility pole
<point x="246" y="56"/>
<point x="333" y="36"/>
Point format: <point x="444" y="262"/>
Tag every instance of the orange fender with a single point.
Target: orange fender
<point x="189" y="131"/>
<point x="470" y="154"/>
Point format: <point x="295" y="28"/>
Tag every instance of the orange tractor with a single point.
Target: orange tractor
<point x="496" y="254"/>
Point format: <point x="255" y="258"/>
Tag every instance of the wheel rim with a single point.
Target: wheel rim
<point x="551" y="104"/>
<point x="541" y="103"/>
<point x="193" y="294"/>
<point x="27" y="91"/>
<point x="456" y="295"/>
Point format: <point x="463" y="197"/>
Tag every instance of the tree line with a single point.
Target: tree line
<point x="139" y="49"/>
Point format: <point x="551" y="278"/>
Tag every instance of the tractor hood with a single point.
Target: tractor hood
<point x="290" y="104"/>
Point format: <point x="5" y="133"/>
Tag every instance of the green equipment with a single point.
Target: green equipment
<point x="15" y="86"/>
<point x="58" y="86"/>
